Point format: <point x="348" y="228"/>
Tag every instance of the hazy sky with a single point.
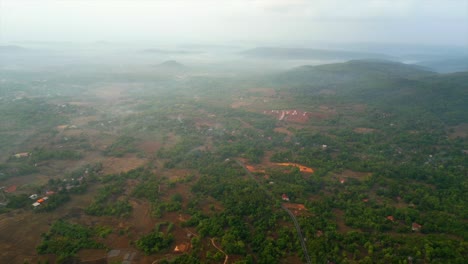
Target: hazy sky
<point x="260" y="22"/>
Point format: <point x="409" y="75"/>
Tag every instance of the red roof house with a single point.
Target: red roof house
<point x="416" y="227"/>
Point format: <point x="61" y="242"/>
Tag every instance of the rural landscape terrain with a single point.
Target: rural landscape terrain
<point x="163" y="161"/>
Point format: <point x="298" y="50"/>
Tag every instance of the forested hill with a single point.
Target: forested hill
<point x="307" y="53"/>
<point x="354" y="71"/>
<point x="398" y="86"/>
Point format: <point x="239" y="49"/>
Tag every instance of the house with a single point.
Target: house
<point x="319" y="233"/>
<point x="36" y="204"/>
<point x="41" y="200"/>
<point x="21" y="155"/>
<point x="416" y="227"/>
<point x="33" y="197"/>
<point x="285" y="197"/>
<point x="342" y="180"/>
<point x="391" y="218"/>
<point x="50" y="192"/>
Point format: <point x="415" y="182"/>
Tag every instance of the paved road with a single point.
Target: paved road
<point x="299" y="233"/>
<point x="293" y="217"/>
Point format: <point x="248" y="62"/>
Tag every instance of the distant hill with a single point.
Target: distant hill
<point x="384" y="84"/>
<point x="171" y="67"/>
<point x="304" y="53"/>
<point x="12" y="49"/>
<point x="447" y="65"/>
<point x="171" y="64"/>
<point x="168" y="52"/>
<point x="352" y="71"/>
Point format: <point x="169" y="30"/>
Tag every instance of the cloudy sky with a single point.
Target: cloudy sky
<point x="283" y="22"/>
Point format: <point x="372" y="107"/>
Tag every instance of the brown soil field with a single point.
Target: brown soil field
<point x="150" y="147"/>
<point x="115" y="165"/>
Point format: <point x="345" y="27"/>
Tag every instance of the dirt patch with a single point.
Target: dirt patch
<point x="297" y="209"/>
<point x="113" y="165"/>
<point x="177" y="175"/>
<point x="460" y="131"/>
<point x="90" y="255"/>
<point x="239" y="104"/>
<point x="283" y="131"/>
<point x="150" y="147"/>
<point x="253" y="169"/>
<point x="181" y="247"/>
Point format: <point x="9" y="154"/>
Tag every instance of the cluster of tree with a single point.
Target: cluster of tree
<point x="154" y="242"/>
<point x="65" y="239"/>
<point x="105" y="202"/>
<point x="41" y="154"/>
<point x="14" y="169"/>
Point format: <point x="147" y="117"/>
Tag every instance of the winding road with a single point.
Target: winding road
<point x="293" y="217"/>
<point x="220" y="250"/>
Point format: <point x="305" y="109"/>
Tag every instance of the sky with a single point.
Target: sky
<point x="252" y="22"/>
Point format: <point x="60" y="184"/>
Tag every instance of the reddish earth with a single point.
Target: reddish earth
<point x="253" y="169"/>
<point x="11" y="189"/>
<point x="294" y="206"/>
<point x="301" y="167"/>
